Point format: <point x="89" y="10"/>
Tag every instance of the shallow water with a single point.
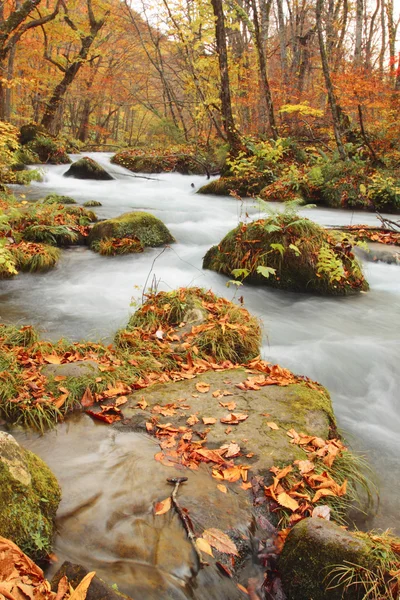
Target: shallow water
<point x="351" y="345"/>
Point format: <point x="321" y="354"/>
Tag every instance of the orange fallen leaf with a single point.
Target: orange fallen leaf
<point x="222" y="488"/>
<point x="87" y="398"/>
<point x="160" y="508"/>
<point x="285" y="500"/>
<point x="52" y="359"/>
<point x="322" y="493"/>
<point x="142" y="403"/>
<point x="80" y="591"/>
<point x="220" y="541"/>
<point x="209" y="420"/>
<point x="242" y="588"/>
<point x="202" y="387"/>
<point x="192" y="420"/>
<point x="272" y="425"/>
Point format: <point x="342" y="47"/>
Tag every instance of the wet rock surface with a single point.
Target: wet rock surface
<point x="79" y="368"/>
<point x="87" y="168"/>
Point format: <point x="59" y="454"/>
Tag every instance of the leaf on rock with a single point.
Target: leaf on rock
<point x="160" y="508"/>
<point x="80" y="592"/>
<point x="222" y="488"/>
<point x="272" y="425"/>
<point x="204" y="546"/>
<point x="52" y="359"/>
<point x="202" y="387"/>
<point x="209" y="420"/>
<point x="87" y="398"/>
<point x="220" y="541"/>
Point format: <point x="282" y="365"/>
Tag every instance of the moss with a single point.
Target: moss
<point x="87" y="168"/>
<point x="288" y="252"/>
<point x="33" y="258"/>
<point x="184" y="162"/>
<point x="312" y="550"/>
<point x="91" y="203"/>
<point x="243" y="186"/>
<point x="48" y="150"/>
<point x="141" y="225"/>
<point x="27" y="512"/>
<point x="56" y="199"/>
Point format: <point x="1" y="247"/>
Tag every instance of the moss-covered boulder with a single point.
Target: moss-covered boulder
<point x="92" y="203"/>
<point x="289" y="252"/>
<point x="87" y="168"/>
<point x="29" y="497"/>
<point x="249" y="185"/>
<point x="143" y="226"/>
<point x="315" y="556"/>
<point x="47" y="149"/>
<point x="138" y="161"/>
<point x="192" y="318"/>
<point x="57" y="199"/>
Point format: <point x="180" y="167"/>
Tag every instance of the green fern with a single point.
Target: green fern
<point x="329" y="264"/>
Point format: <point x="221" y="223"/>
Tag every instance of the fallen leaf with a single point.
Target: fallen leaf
<point x="160" y="508"/>
<point x="323" y="512"/>
<point x="87" y="398"/>
<point x="142" y="403"/>
<point x="231" y="449"/>
<point x="242" y="588"/>
<point x="209" y="420"/>
<point x="305" y="466"/>
<point x="149" y="426"/>
<point x="222" y="488"/>
<point x="220" y="541"/>
<point x="202" y="387"/>
<point x="80" y="591"/>
<point x="121" y="400"/>
<point x="159" y="334"/>
<point x="204" y="546"/>
<point x="321" y="494"/>
<point x="192" y="420"/>
<point x="228" y="405"/>
<point x="246" y="486"/>
<point x="62" y="589"/>
<point x="52" y="359"/>
<point x="285" y="500"/>
<point x="272" y="425"/>
<point x="234" y="418"/>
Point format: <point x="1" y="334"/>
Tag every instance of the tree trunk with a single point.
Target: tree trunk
<point x="335" y="109"/>
<point x="359" y="28"/>
<point x="263" y="73"/>
<point x="232" y="134"/>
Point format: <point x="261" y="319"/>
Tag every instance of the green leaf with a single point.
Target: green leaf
<point x="266" y="271"/>
<point x="295" y="249"/>
<point x="240" y="273"/>
<point x="278" y="247"/>
<point x="233" y="282"/>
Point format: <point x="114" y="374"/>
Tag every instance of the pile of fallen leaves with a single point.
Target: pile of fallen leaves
<point x="117" y="246"/>
<point x="21" y="578"/>
<point x="372" y="234"/>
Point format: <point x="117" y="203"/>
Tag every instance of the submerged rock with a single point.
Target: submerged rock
<point x="312" y="551"/>
<point x="87" y="168"/>
<point x="29" y="497"/>
<point x="97" y="590"/>
<point x="149" y="230"/>
<point x="289" y="252"/>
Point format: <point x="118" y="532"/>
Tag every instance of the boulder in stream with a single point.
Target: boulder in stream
<point x="29" y="497"/>
<point x="244" y="186"/>
<point x="139" y="225"/>
<point x="290" y="252"/>
<point x="87" y="168"/>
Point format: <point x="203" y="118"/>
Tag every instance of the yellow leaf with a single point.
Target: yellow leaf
<point x="220" y="541"/>
<point x="285" y="500"/>
<point x="80" y="592"/>
<point x="222" y="488"/>
<point x="202" y="387"/>
<point x="272" y="425"/>
<point x="160" y="508"/>
<point x="204" y="546"/>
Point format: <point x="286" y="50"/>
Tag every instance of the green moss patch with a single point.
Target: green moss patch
<point x="247" y="185"/>
<point x="57" y="199"/>
<point x="87" y="168"/>
<point x="29" y="497"/>
<point x="135" y="225"/>
<point x="180" y="160"/>
<point x="288" y="252"/>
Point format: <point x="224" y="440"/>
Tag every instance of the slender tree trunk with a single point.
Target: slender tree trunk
<point x="282" y="41"/>
<point x="335" y="109"/>
<point x="383" y="38"/>
<point x="359" y="31"/>
<point x="263" y="73"/>
<point x="232" y="134"/>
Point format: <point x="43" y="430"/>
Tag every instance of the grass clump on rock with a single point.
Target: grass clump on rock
<point x="194" y="318"/>
<point x="247" y="185"/>
<point x="289" y="252"/>
<point x="92" y="203"/>
<point x="142" y="226"/>
<point x="182" y="160"/>
<point x="117" y="246"/>
<point x="56" y="199"/>
<point x="33" y="258"/>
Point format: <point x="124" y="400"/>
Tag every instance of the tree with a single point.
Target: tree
<point x="12" y="28"/>
<point x="72" y="67"/>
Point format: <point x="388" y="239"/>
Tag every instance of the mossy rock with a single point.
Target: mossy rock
<point x="97" y="590"/>
<point x="48" y="150"/>
<point x="57" y="199"/>
<point x="87" y="168"/>
<point x="243" y="186"/>
<point x="92" y="203"/>
<point x="313" y="549"/>
<point x="137" y="162"/>
<point x="141" y="225"/>
<point x="295" y="406"/>
<point x="289" y="252"/>
<point x="31" y="257"/>
<point x="30" y="132"/>
<point x="29" y="497"/>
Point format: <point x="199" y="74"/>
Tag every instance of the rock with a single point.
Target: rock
<point x="141" y="225"/>
<point x="294" y="406"/>
<point x="311" y="551"/>
<point x="243" y="186"/>
<point x="91" y="203"/>
<point x="87" y="168"/>
<point x="79" y="368"/>
<point x="98" y="589"/>
<point x="379" y="252"/>
<point x="40" y="145"/>
<point x="139" y="162"/>
<point x="30" y="131"/>
<point x="29" y="497"/>
<point x="57" y="199"/>
<point x="289" y="252"/>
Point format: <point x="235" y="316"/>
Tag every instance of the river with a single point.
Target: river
<point x="350" y="345"/>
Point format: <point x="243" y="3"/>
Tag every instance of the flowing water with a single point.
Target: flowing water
<point x="351" y="345"/>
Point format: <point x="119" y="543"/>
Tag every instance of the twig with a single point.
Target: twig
<point x="393" y="225"/>
<point x="176" y="481"/>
